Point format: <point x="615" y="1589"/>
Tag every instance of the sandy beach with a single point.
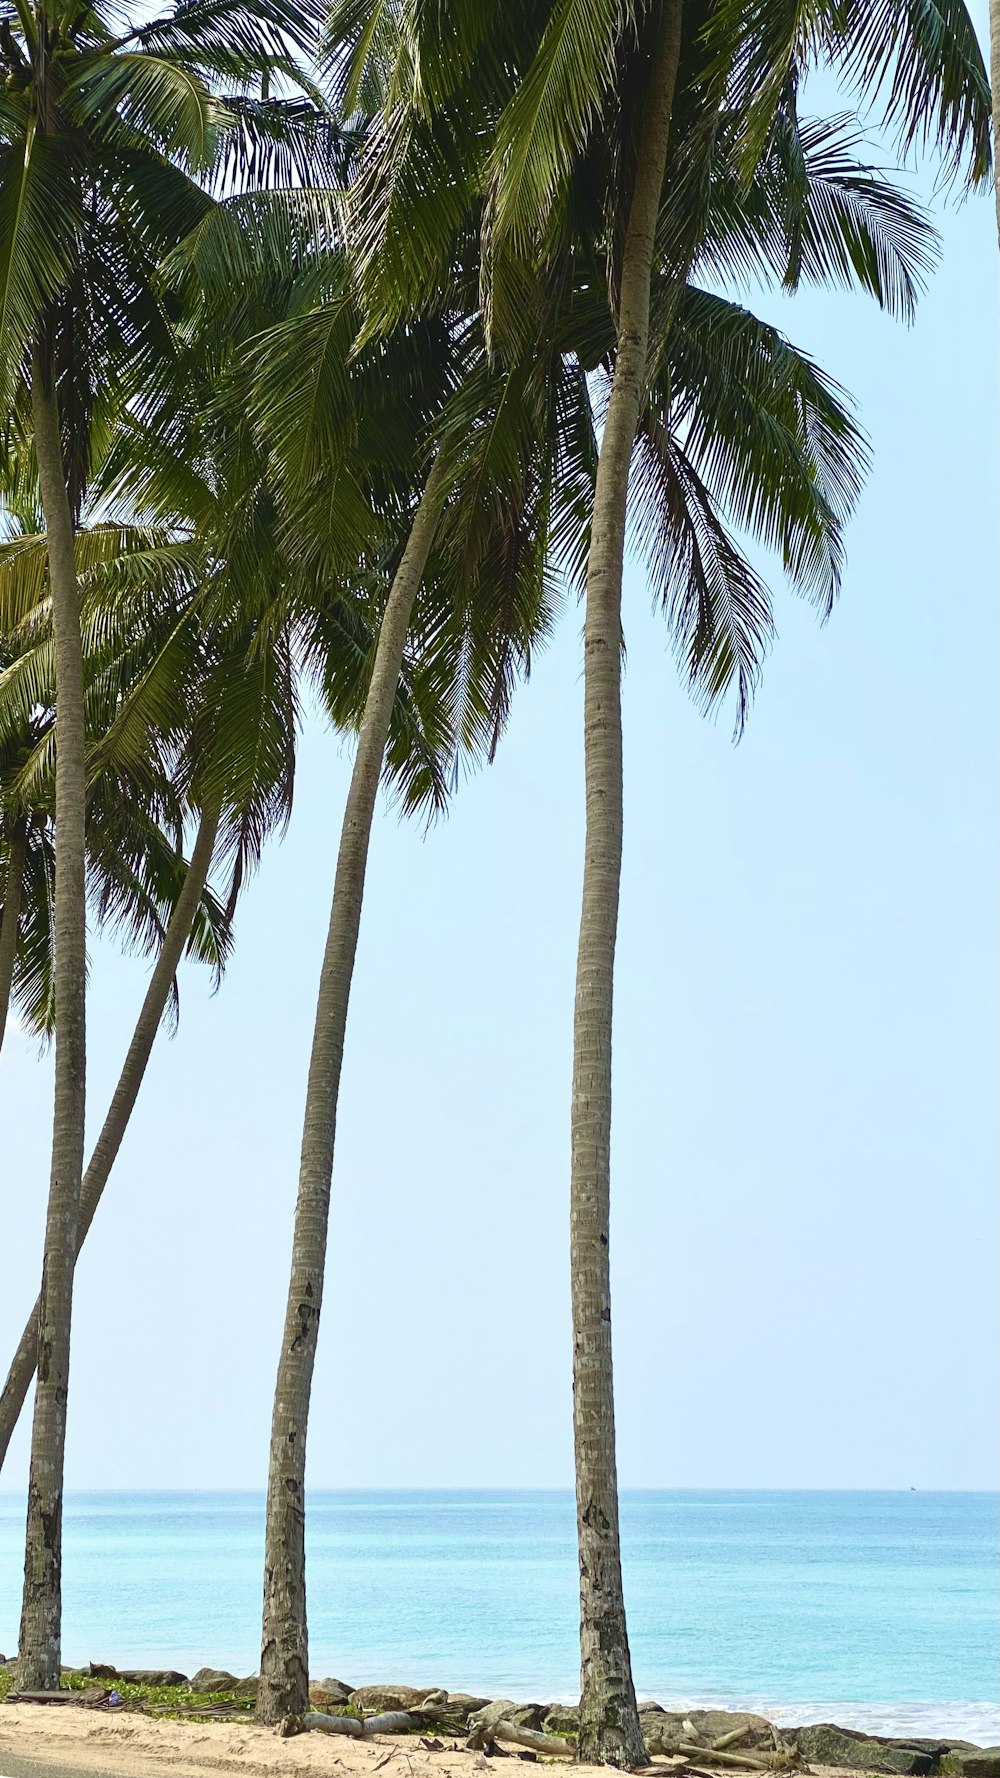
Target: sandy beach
<point x="131" y="1744"/>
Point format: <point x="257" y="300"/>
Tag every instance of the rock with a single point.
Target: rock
<point x="216" y="1679"/>
<point x="713" y="1724"/>
<point x="661" y="1729"/>
<point x="935" y="1746"/>
<point x="526" y="1716"/>
<point x="151" y="1676"/>
<point x="664" y="1729"/>
<point x="974" y="1762"/>
<point x="101" y="1670"/>
<point x="462" y="1704"/>
<point x="373" y="1699"/>
<point x="562" y="1719"/>
<point x="335" y="1689"/>
<point x="325" y="1692"/>
<point x="829" y="1745"/>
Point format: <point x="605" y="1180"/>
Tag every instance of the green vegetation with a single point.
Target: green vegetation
<point x="155" y="1700"/>
<point x="340" y="345"/>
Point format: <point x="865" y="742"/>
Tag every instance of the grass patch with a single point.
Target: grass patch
<point x="154" y="1700"/>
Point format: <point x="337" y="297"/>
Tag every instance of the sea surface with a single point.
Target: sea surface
<point x="879" y="1611"/>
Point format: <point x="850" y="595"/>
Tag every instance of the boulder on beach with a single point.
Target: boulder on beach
<point x="713" y="1724"/>
<point x="972" y="1762"/>
<point x="462" y="1704"/>
<point x="526" y="1716"/>
<point x="664" y="1731"/>
<point x="326" y="1692"/>
<point x="151" y="1676"/>
<point x="829" y="1745"/>
<point x="102" y="1670"/>
<point x="216" y="1679"/>
<point x="561" y="1719"/>
<point x="373" y="1699"/>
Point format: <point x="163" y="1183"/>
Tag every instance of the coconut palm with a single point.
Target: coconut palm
<point x="995" y="89"/>
<point x="191" y="623"/>
<point x="526" y="182"/>
<point x="137" y="877"/>
<point x="606" y="101"/>
<point x="719" y="614"/>
<point x="103" y="133"/>
<point x="480" y="495"/>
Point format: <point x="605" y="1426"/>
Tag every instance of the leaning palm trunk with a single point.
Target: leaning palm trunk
<point x="609" y="1721"/>
<point x="16" y="858"/>
<point x="284" y="1666"/>
<point x="15" y="1390"/>
<point x="41" y="1610"/>
<point x="995" y="84"/>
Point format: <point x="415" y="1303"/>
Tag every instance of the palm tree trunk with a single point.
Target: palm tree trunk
<point x="995" y="86"/>
<point x="15" y="1389"/>
<point x="16" y="857"/>
<point x="609" y="1721"/>
<point x="284" y="1665"/>
<point x="41" y="1610"/>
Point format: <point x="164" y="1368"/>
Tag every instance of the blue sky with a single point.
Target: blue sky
<point x="805" y="1052"/>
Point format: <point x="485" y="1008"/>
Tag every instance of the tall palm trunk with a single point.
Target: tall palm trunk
<point x="41" y="1610"/>
<point x="284" y="1665"/>
<point x="995" y="86"/>
<point x="609" y="1721"/>
<point x="16" y="857"/>
<point x="15" y="1390"/>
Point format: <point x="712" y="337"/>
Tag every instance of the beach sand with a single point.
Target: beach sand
<point x="130" y="1745"/>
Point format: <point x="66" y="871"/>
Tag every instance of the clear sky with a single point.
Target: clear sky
<point x="805" y="1053"/>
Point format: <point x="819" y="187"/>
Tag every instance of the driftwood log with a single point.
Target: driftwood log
<point x="493" y="1724"/>
<point x="390" y="1722"/>
<point x="725" y="1759"/>
<point x="432" y="1711"/>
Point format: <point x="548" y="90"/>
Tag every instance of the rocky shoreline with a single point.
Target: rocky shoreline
<point x="721" y="1739"/>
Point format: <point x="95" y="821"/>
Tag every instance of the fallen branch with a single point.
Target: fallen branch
<point x="60" y="1697"/>
<point x="492" y="1724"/>
<point x="724" y="1759"/>
<point x="389" y="1722"/>
<point x="327" y="1725"/>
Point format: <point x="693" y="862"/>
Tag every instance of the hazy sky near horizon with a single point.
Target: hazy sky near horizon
<point x="804" y="1226"/>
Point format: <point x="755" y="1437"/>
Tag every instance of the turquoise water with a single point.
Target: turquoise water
<point x="878" y="1609"/>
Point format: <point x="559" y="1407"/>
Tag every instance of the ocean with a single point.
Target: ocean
<point x="876" y="1610"/>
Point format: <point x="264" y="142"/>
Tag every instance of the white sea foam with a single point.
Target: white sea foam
<point x="978" y="1722"/>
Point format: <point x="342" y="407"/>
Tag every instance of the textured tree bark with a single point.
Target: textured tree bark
<point x="284" y="1667"/>
<point x="609" y="1721"/>
<point x="995" y="86"/>
<point x="22" y="1369"/>
<point x="41" y="1610"/>
<point x="16" y="857"/>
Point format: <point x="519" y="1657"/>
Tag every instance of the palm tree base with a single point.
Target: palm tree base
<point x="610" y="1734"/>
<point x="607" y="1738"/>
<point x="283" y="1689"/>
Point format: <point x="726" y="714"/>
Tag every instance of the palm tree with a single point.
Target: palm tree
<point x="102" y="135"/>
<point x="402" y="459"/>
<point x="473" y="532"/>
<point x="995" y="90"/>
<point x="16" y="833"/>
<point x="13" y="876"/>
<point x="663" y="88"/>
<point x="609" y="1720"/>
<point x="137" y="876"/>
